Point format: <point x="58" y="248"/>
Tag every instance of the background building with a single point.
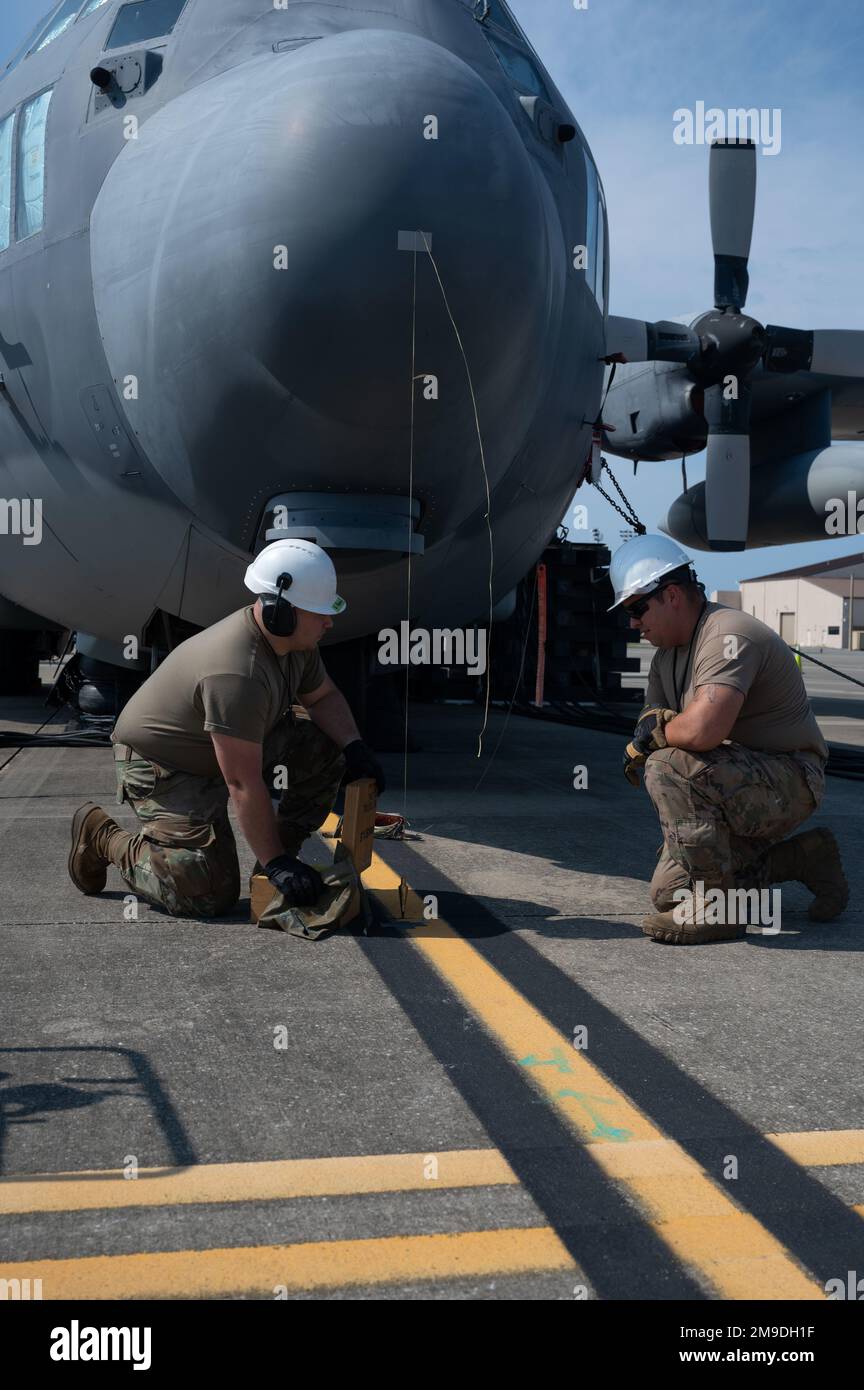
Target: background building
<point x="730" y="598"/>
<point x="819" y="605"/>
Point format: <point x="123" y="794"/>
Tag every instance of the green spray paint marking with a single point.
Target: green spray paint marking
<point x="602" y="1131"/>
<point x="556" y="1060"/>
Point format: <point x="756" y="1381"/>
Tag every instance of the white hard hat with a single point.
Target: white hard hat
<point x="638" y="566"/>
<point x="313" y="586"/>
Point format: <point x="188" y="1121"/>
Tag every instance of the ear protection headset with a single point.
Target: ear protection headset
<point x="277" y="614"/>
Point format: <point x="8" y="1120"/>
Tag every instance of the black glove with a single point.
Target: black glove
<point x="300" y="884"/>
<point x="644" y="734"/>
<point x="648" y="736"/>
<point x="360" y="761"/>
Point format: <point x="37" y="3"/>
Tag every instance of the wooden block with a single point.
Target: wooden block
<point x="358" y="823"/>
<point x="261" y="895"/>
<point x="358" y="834"/>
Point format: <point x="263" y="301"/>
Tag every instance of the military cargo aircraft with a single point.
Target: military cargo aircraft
<point x="289" y="269"/>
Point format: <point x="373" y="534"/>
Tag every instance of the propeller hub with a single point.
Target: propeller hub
<point x="731" y="344"/>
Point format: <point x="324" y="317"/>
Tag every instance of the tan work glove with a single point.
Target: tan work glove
<point x="648" y="736"/>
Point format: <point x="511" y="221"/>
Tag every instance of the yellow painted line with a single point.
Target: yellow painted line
<point x="687" y="1208"/>
<point x="818" y="1148"/>
<point x="319" y="1265"/>
<point x="255" y="1182"/>
<point x="639" y="1162"/>
<point x="821" y="1147"/>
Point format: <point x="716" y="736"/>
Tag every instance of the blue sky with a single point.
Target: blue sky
<point x="17" y="18"/>
<point x="624" y="67"/>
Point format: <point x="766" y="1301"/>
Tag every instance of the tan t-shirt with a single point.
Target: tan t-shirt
<point x="227" y="679"/>
<point x="733" y="648"/>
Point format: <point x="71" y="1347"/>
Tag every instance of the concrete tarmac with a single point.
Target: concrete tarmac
<point x="510" y="1093"/>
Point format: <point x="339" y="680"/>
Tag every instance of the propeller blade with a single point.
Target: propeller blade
<point x="727" y="471"/>
<point x="831" y="351"/>
<point x="732" y="196"/>
<point x="632" y="340"/>
<point x="838" y="352"/>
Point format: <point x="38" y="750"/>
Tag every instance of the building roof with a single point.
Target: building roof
<point x="844" y="567"/>
<point x="839" y="587"/>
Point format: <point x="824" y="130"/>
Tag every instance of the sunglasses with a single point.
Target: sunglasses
<point x="640" y="607"/>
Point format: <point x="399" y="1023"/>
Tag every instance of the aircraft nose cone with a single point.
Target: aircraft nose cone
<point x="401" y="139"/>
<point x="273" y="215"/>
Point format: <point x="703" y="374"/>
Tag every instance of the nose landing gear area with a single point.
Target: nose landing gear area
<point x="502" y="1091"/>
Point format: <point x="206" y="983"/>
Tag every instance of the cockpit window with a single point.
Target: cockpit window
<point x="519" y="68"/>
<point x="27" y="44"/>
<point x="30" y="214"/>
<point x="600" y="280"/>
<point x="50" y="27"/>
<point x="595" y="234"/>
<point x="6" y="127"/>
<point x="148" y="19"/>
<point x="57" y="25"/>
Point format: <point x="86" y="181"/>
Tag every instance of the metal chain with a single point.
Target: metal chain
<point x="629" y="516"/>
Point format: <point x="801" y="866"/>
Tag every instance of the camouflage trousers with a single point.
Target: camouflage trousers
<point x="722" y="810"/>
<point x="185" y="856"/>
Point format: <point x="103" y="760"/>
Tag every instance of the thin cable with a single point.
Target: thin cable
<point x="826" y="667"/>
<point x="531" y="613"/>
<point x="8" y="736"/>
<point x="842" y="762"/>
<point x="27" y="737"/>
<point x="410" y="529"/>
<point x="488" y="494"/>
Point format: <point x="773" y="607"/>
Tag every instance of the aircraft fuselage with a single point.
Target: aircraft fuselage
<point x="253" y="239"/>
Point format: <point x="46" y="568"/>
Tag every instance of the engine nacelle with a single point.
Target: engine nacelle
<point x="809" y="497"/>
<point x="656" y="411"/>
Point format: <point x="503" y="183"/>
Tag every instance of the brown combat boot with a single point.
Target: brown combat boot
<point x="814" y="860"/>
<point x="88" y="859"/>
<point x="685" y="924"/>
